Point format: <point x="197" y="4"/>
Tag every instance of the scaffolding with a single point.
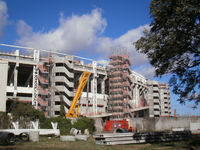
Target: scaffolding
<point x="120" y="86"/>
<point x="44" y="85"/>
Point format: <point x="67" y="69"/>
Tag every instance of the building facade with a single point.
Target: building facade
<point x="120" y="87"/>
<point x="140" y="99"/>
<point x="51" y="82"/>
<point x="159" y="99"/>
<point x="65" y="75"/>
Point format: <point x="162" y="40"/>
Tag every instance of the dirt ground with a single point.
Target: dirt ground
<point x="55" y="144"/>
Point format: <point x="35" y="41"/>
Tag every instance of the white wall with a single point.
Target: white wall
<point x="3" y="84"/>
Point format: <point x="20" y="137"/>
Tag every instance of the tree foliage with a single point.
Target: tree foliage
<point x="23" y="112"/>
<point x="26" y="111"/>
<point x="5" y="121"/>
<point x="173" y="45"/>
<point x="63" y="124"/>
<point x="85" y="123"/>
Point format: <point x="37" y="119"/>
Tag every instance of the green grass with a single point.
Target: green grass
<point x="56" y="144"/>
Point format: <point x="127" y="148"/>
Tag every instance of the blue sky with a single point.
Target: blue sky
<point x="87" y="28"/>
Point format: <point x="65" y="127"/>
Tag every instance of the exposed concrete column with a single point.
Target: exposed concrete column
<point x="151" y="101"/>
<point x="145" y="95"/>
<point x="15" y="79"/>
<point x="94" y="93"/>
<point x="3" y="84"/>
<point x="94" y="86"/>
<point x="53" y="90"/>
<point x="35" y="79"/>
<point x="103" y="85"/>
<point x="91" y="82"/>
<point x="16" y="73"/>
<point x="136" y="94"/>
<point x="17" y="54"/>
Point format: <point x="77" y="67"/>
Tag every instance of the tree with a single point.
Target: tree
<point x="24" y="112"/>
<point x="5" y="121"/>
<point x="173" y="45"/>
<point x="85" y="123"/>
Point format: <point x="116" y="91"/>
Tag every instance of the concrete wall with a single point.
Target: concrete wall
<point x="3" y="84"/>
<point x="163" y="124"/>
<point x="99" y="125"/>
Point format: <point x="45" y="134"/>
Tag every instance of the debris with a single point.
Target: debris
<point x="178" y="129"/>
<point x="82" y="137"/>
<point x="34" y="136"/>
<point x="67" y="138"/>
<point x="86" y="132"/>
<point x="75" y="131"/>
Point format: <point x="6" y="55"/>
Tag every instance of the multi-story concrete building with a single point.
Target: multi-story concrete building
<point x="48" y="82"/>
<point x="65" y="75"/>
<point x="159" y="99"/>
<point x="140" y="90"/>
<point x="120" y="89"/>
<point x="165" y="100"/>
<point x="140" y="99"/>
<point x="45" y="82"/>
<point x="24" y="78"/>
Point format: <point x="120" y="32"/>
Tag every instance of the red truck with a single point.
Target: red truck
<point x="113" y="125"/>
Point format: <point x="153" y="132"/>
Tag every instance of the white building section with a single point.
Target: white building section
<point x="139" y="89"/>
<point x="3" y="84"/>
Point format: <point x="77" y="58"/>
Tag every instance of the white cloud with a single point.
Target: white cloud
<point x="106" y="45"/>
<point x="84" y="33"/>
<point x="3" y="16"/>
<point x="127" y="40"/>
<point x="24" y="29"/>
<point x="146" y="70"/>
<point x="74" y="33"/>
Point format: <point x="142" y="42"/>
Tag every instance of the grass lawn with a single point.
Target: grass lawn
<point x="56" y="144"/>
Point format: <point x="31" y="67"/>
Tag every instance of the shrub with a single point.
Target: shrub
<point x="26" y="111"/>
<point x="63" y="124"/>
<point x="4" y="121"/>
<point x="85" y="123"/>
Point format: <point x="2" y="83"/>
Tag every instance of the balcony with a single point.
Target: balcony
<point x="156" y="101"/>
<point x="156" y="107"/>
<point x="156" y="95"/>
<point x="155" y="88"/>
<point x="157" y="113"/>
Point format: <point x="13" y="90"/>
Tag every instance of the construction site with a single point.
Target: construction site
<point x="113" y="89"/>
<point x="115" y="96"/>
<point x="100" y="75"/>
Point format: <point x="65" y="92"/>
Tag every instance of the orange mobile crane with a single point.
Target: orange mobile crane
<point x="71" y="113"/>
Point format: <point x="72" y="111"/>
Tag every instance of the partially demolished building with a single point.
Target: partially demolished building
<point x="120" y="86"/>
<point x="51" y="82"/>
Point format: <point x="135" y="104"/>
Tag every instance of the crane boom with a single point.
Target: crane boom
<point x="79" y="91"/>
